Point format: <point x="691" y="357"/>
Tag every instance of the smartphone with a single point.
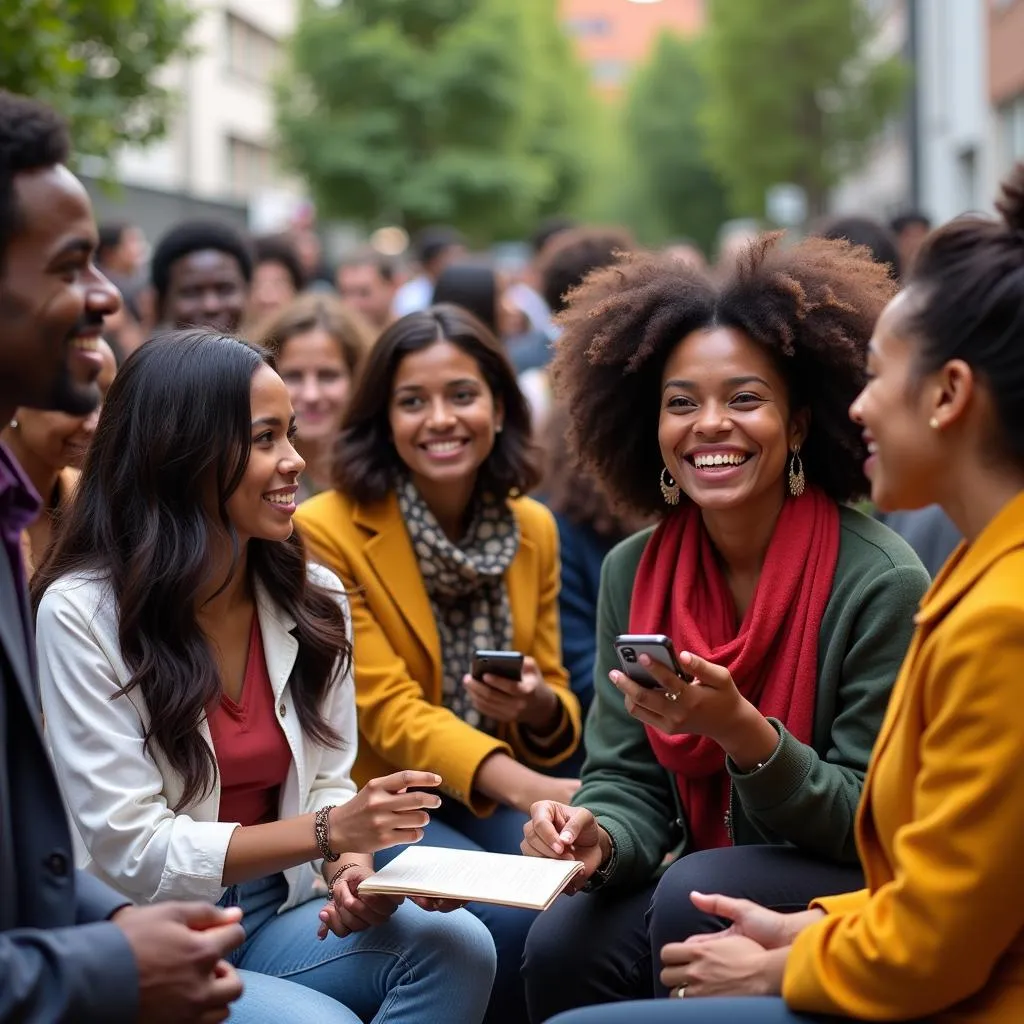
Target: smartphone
<point x="657" y="647"/>
<point x="506" y="664"/>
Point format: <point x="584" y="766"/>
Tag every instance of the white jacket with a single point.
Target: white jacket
<point x="120" y="797"/>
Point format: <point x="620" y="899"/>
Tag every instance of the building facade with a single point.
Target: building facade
<point x="613" y="36"/>
<point x="1006" y="80"/>
<point x="219" y="153"/>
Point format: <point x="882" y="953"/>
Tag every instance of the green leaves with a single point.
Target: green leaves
<point x="792" y="94"/>
<point x="472" y="112"/>
<point x="680" y="194"/>
<point x="96" y="61"/>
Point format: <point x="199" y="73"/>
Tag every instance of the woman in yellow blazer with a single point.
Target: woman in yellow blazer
<point x="939" y="931"/>
<point x="441" y="560"/>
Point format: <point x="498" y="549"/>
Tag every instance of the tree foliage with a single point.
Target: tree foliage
<point x="467" y="112"/>
<point x="794" y="94"/>
<point x="676" y="191"/>
<point x="96" y="61"/>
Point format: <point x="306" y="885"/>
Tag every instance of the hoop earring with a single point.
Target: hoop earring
<point x="797" y="480"/>
<point x="669" y="488"/>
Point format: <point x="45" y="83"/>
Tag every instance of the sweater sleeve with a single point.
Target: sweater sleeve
<point x="809" y="800"/>
<point x="623" y="785"/>
<point x="934" y="934"/>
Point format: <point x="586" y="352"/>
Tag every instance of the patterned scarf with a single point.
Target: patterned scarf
<point x="466" y="586"/>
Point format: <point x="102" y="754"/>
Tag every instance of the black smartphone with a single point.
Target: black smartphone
<point x="506" y="664"/>
<point x="629" y="647"/>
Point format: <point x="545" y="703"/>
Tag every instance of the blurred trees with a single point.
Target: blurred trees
<point x="794" y="94"/>
<point x="674" y="191"/>
<point x="95" y="61"/>
<point x="469" y="112"/>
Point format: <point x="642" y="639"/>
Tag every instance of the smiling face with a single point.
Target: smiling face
<point x="57" y="439"/>
<point x="52" y="297"/>
<point x="318" y="381"/>
<point x="905" y="459"/>
<point x="206" y="289"/>
<point x="443" y="416"/>
<point x="262" y="505"/>
<point x="725" y="429"/>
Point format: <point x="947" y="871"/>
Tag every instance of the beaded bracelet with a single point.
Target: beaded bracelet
<point x="322" y="834"/>
<point x="337" y="874"/>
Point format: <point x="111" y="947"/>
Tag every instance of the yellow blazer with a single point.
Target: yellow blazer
<point x="939" y="930"/>
<point x="402" y="722"/>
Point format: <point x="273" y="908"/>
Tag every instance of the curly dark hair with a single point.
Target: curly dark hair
<point x="32" y="136"/>
<point x="812" y="306"/>
<point x="365" y="458"/>
<point x="572" y="491"/>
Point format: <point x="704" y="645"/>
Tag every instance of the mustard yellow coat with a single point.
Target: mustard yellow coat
<point x="402" y="723"/>
<point x="939" y="930"/>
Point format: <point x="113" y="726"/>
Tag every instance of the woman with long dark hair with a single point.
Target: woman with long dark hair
<point x="428" y="521"/>
<point x="196" y="682"/>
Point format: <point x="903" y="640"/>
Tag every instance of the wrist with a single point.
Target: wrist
<point x="750" y="740"/>
<point x="543" y="712"/>
<point x="772" y="971"/>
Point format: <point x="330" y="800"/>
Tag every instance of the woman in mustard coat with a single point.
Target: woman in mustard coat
<point x="442" y="558"/>
<point x="938" y="933"/>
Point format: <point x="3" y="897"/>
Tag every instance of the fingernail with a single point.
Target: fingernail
<point x="566" y="837"/>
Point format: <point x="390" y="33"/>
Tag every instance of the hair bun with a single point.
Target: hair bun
<point x="1011" y="203"/>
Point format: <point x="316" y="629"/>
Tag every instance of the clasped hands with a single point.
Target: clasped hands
<point x="747" y="959"/>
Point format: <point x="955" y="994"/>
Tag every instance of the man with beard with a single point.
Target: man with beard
<point x="70" y="948"/>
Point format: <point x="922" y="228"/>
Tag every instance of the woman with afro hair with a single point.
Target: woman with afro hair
<point x="721" y="404"/>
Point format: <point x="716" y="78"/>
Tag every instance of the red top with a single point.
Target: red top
<point x="252" y="751"/>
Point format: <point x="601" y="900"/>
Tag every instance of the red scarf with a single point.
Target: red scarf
<point x="680" y="591"/>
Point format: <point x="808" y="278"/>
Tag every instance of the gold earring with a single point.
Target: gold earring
<point x="669" y="488"/>
<point x="934" y="423"/>
<point x="797" y="480"/>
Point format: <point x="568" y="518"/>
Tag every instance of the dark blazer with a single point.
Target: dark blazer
<point x="60" y="959"/>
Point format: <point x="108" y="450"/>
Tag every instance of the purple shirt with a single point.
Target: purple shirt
<point x="19" y="506"/>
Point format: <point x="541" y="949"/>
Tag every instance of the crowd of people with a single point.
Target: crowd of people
<point x="259" y="515"/>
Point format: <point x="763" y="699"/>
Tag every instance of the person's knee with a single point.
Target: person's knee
<point x="673" y="915"/>
<point x="459" y="943"/>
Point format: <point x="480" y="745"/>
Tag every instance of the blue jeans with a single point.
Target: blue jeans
<point x="455" y="827"/>
<point x="418" y="967"/>
<point x="751" y="1010"/>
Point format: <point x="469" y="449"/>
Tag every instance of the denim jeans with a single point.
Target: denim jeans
<point x="418" y="968"/>
<point x="752" y="1010"/>
<point x="456" y="827"/>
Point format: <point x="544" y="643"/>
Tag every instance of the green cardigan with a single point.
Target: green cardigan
<point x="805" y="796"/>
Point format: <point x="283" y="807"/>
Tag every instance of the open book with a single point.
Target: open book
<point x="470" y="875"/>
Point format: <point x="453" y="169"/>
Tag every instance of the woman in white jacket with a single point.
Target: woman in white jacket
<point x="197" y="688"/>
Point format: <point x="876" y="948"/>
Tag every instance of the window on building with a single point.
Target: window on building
<point x="251" y="52"/>
<point x="1011" y="133"/>
<point x="250" y="167"/>
<point x="588" y="28"/>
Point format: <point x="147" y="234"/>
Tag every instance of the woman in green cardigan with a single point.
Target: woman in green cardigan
<point x="723" y="404"/>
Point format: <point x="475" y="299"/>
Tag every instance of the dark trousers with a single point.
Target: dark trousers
<point x="605" y="947"/>
<point x="753" y="1010"/>
<point x="455" y="827"/>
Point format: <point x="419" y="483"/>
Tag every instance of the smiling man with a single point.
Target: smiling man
<point x="70" y="948"/>
<point x="202" y="273"/>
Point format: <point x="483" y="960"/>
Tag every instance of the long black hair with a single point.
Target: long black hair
<point x="175" y="430"/>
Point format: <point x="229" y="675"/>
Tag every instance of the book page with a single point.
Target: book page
<point x="515" y="881"/>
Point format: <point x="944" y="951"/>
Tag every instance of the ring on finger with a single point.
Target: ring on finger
<point x="678" y="993"/>
<point x="672" y="696"/>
